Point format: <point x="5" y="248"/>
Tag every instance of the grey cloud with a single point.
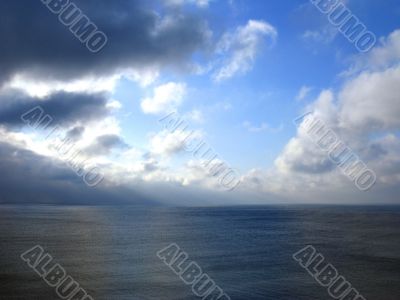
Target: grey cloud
<point x="312" y="167"/>
<point x="63" y="108"/>
<point x="35" y="42"/>
<point x="375" y="151"/>
<point x="75" y="133"/>
<point x="37" y="179"/>
<point x="150" y="166"/>
<point x="32" y="178"/>
<point x="104" y="144"/>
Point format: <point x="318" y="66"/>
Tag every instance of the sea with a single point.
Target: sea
<point x="111" y="250"/>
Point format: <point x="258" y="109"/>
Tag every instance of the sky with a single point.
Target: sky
<point x="234" y="74"/>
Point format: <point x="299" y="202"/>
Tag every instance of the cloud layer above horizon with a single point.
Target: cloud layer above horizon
<point x="236" y="83"/>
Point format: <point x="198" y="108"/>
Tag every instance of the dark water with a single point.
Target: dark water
<point x="110" y="251"/>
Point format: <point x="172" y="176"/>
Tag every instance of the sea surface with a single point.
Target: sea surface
<point x="247" y="251"/>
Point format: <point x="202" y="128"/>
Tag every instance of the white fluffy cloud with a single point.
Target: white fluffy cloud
<point x="165" y="98"/>
<point x="366" y="106"/>
<point x="385" y="55"/>
<point x="239" y="48"/>
<point x="371" y="101"/>
<point x="364" y="114"/>
<point x="168" y="143"/>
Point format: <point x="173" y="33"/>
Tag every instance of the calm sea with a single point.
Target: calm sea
<point x="111" y="251"/>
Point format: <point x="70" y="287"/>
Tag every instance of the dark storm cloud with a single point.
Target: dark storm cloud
<point x="104" y="144"/>
<point x="35" y="42"/>
<point x="64" y="108"/>
<point x="30" y="178"/>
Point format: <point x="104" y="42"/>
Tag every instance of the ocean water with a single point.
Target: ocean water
<point x="247" y="251"/>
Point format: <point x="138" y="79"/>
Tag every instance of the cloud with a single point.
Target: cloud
<point x="384" y="55"/>
<point x="138" y="37"/>
<point x="363" y="113"/>
<point x="239" y="48"/>
<point x="303" y="92"/>
<point x="63" y="108"/>
<point x="114" y="104"/>
<point x="168" y="143"/>
<point x="137" y="180"/>
<point x="195" y="115"/>
<point x="366" y="106"/>
<point x="263" y="127"/>
<point x="326" y="32"/>
<point x="199" y="3"/>
<point x="324" y="35"/>
<point x="75" y="133"/>
<point x="104" y="144"/>
<point x="45" y="65"/>
<point x="36" y="179"/>
<point x="165" y="98"/>
<point x="370" y="102"/>
<point x="37" y="87"/>
<point x="39" y="179"/>
<point x="148" y="166"/>
<point x="387" y="53"/>
<point x="301" y="155"/>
